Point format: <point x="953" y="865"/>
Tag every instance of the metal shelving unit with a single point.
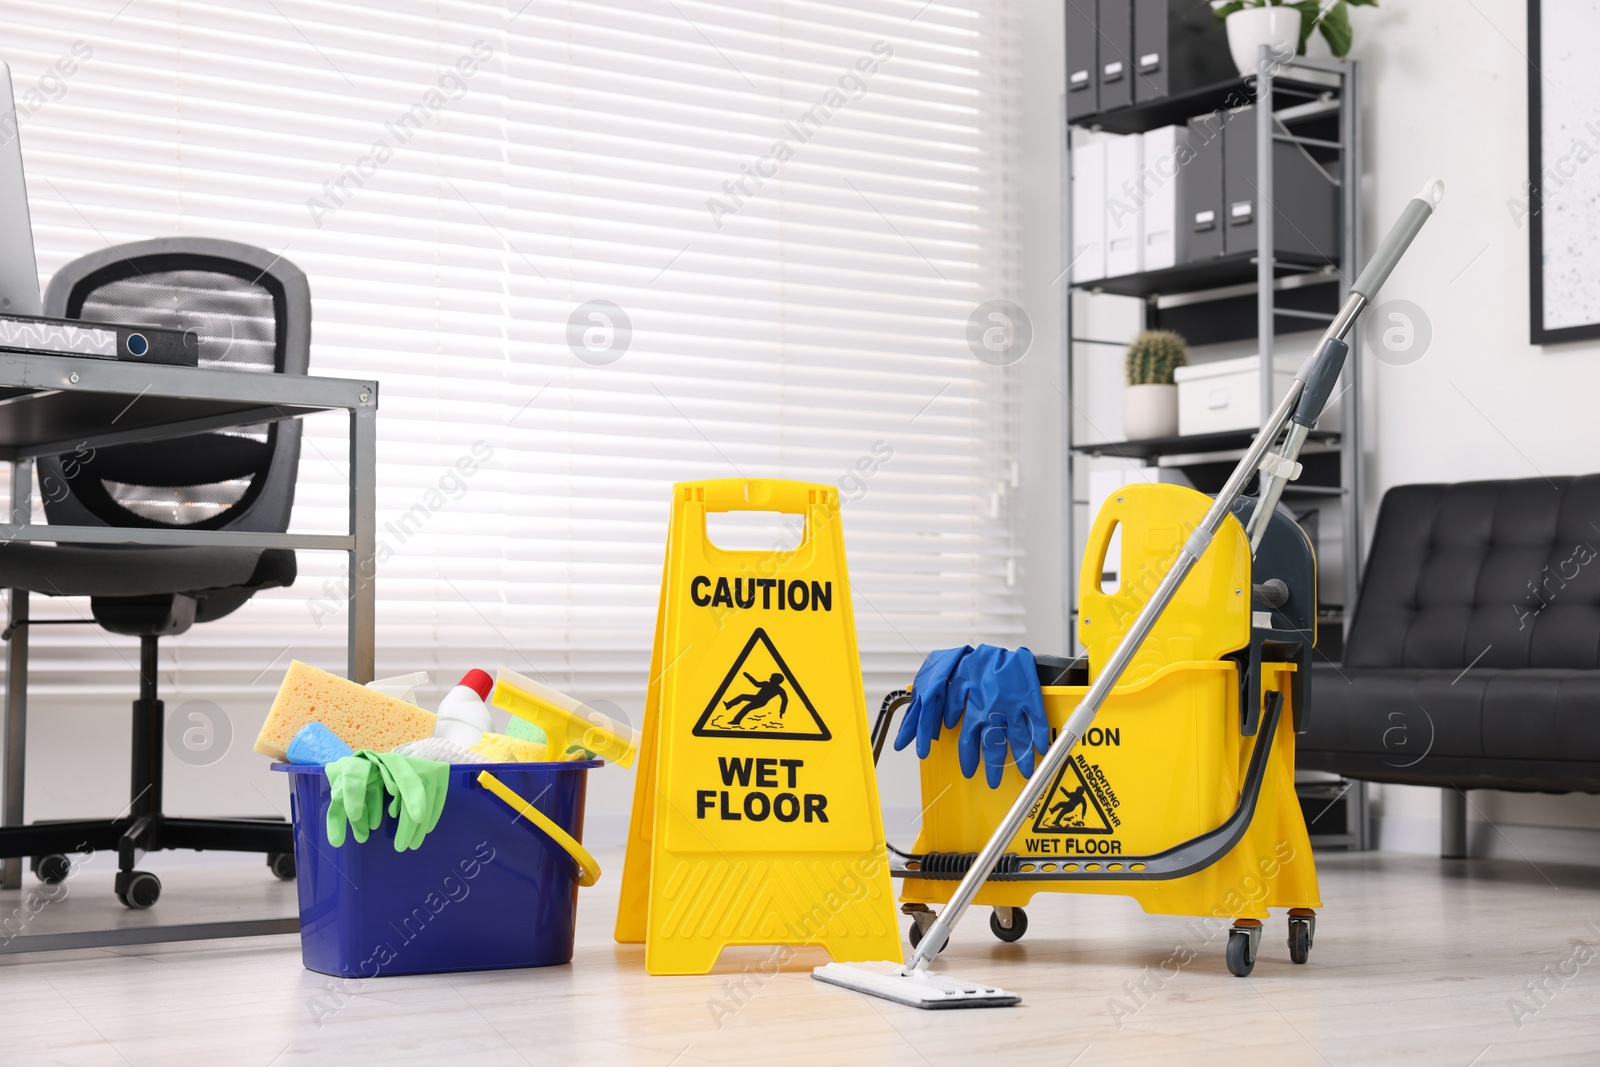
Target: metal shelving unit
<point x="1291" y="293"/>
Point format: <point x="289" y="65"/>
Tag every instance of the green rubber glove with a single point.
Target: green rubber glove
<point x="436" y="777"/>
<point x="357" y="796"/>
<point x="418" y="788"/>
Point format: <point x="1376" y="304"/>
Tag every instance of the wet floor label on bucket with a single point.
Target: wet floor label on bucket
<point x="755" y="815"/>
<point x="1080" y="801"/>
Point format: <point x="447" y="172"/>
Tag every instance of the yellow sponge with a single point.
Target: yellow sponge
<point x="362" y="717"/>
<point x="502" y="748"/>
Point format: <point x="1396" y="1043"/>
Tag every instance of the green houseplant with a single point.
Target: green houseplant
<point x="1280" y="23"/>
<point x="1150" y="403"/>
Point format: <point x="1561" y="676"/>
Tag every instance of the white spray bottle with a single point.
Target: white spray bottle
<point x="463" y="716"/>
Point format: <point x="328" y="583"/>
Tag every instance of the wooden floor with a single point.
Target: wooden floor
<point x="1417" y="961"/>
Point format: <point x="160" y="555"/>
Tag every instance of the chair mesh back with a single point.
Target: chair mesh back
<point x="236" y="323"/>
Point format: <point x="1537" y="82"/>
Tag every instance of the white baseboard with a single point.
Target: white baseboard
<point x="1405" y="834"/>
<point x="1503" y="841"/>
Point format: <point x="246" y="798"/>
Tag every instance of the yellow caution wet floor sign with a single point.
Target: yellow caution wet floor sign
<point x="755" y="814"/>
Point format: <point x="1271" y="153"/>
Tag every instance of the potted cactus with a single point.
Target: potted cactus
<point x="1150" y="404"/>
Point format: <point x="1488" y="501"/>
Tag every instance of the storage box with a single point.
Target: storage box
<point x="1226" y="394"/>
<point x="1305" y="197"/>
<point x="1088" y="260"/>
<point x="1178" y="46"/>
<point x="1160" y="210"/>
<point x="1199" y="181"/>
<point x="1124" y="213"/>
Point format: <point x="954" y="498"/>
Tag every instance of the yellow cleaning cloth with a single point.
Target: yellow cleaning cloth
<point x="361" y="717"/>
<point x="501" y="748"/>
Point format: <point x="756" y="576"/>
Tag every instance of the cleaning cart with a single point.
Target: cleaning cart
<point x="1182" y="793"/>
<point x="1170" y="773"/>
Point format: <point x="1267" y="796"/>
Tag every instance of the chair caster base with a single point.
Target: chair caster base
<point x="138" y="889"/>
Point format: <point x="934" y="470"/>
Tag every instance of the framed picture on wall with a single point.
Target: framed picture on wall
<point x="1563" y="201"/>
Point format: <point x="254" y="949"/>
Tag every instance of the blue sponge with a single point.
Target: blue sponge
<point x="315" y="744"/>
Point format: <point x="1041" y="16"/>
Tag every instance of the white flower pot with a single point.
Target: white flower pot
<point x="1276" y="27"/>
<point x="1149" y="411"/>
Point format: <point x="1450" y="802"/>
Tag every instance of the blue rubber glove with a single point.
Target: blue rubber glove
<point x="931" y="707"/>
<point x="1005" y="719"/>
<point x="966" y="689"/>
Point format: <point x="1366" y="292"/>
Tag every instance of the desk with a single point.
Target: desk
<point x="52" y="405"/>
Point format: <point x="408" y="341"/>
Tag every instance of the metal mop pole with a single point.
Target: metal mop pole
<point x="1277" y="474"/>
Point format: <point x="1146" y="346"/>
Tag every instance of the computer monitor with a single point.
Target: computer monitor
<point x="19" y="271"/>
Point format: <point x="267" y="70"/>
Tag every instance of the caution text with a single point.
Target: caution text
<point x="767" y="594"/>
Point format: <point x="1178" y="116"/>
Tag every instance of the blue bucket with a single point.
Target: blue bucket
<point x="488" y="889"/>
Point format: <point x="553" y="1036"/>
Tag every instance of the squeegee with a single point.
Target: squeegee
<point x="912" y="983"/>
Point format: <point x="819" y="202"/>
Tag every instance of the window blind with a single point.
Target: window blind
<point x="587" y="250"/>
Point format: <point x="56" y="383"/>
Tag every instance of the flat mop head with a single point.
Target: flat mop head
<point x="914" y="988"/>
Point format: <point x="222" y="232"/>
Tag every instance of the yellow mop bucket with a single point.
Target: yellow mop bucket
<point x="1174" y="796"/>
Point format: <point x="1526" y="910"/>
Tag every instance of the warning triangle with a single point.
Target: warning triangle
<point x="1071" y="806"/>
<point x="760" y="697"/>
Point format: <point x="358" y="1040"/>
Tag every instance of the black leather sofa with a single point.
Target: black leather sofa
<point x="1473" y="660"/>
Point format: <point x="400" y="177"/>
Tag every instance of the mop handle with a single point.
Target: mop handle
<point x="1327" y="361"/>
<point x="1383" y="262"/>
<point x="1416" y="212"/>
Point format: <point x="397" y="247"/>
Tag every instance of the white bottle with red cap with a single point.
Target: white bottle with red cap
<point x="463" y="716"/>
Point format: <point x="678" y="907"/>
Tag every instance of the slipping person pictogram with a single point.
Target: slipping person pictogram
<point x="765" y="691"/>
<point x="1073" y="806"/>
<point x="753" y="699"/>
<point x="1061" y="812"/>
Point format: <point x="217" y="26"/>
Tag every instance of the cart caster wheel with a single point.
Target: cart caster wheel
<point x="1241" y="958"/>
<point x="138" y="889"/>
<point x="1299" y="940"/>
<point x="282" y="865"/>
<point x="1019" y="925"/>
<point x="52" y="869"/>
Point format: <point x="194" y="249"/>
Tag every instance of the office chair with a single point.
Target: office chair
<point x="252" y="312"/>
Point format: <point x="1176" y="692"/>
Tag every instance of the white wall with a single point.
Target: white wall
<point x="1044" y="402"/>
<point x="1444" y="87"/>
